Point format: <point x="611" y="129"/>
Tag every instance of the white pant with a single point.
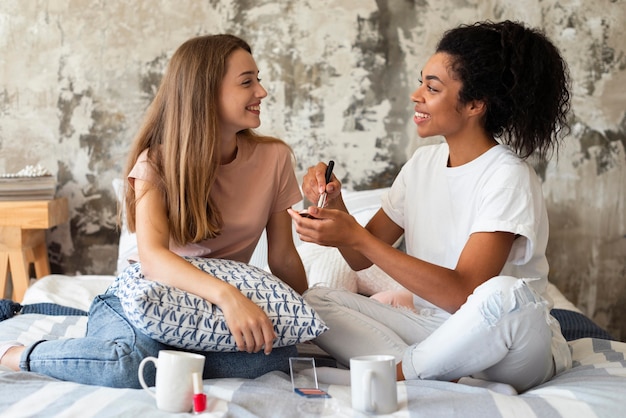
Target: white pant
<point x="501" y="333"/>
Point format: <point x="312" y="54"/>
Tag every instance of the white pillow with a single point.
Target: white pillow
<point x="363" y="204"/>
<point x="326" y="266"/>
<point x="128" y="242"/>
<point x="73" y="291"/>
<point x="180" y="319"/>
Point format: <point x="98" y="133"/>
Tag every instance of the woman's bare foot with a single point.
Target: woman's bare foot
<point x="11" y="359"/>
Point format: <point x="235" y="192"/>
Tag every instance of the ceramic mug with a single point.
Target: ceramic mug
<point x="373" y="384"/>
<point x="174" y="385"/>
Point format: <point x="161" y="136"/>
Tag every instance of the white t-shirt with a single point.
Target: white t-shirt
<point x="439" y="207"/>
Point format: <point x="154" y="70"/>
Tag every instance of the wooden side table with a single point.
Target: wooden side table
<point x="23" y="227"/>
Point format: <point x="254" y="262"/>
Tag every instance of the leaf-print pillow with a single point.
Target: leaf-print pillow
<point x="181" y="319"/>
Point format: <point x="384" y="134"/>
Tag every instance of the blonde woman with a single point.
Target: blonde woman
<point x="200" y="183"/>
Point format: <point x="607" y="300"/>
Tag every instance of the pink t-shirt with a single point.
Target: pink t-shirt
<point x="257" y="183"/>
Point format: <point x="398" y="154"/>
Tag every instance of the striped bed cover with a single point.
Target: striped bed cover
<point x="594" y="387"/>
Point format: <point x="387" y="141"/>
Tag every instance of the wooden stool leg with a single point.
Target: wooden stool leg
<point x="40" y="259"/>
<point x="19" y="274"/>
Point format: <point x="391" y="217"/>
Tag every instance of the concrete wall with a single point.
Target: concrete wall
<point x="77" y="75"/>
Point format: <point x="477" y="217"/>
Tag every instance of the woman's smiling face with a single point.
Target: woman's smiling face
<point x="240" y="93"/>
<point x="437" y="107"/>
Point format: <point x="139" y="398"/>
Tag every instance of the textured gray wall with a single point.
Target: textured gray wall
<point x="77" y="75"/>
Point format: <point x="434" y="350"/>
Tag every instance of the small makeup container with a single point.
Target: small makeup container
<point x="199" y="398"/>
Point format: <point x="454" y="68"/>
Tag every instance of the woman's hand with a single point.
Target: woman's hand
<point x="252" y="329"/>
<point x="314" y="184"/>
<point x="329" y="227"/>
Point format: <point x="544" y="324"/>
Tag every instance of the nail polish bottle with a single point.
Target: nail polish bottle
<point x="199" y="398"/>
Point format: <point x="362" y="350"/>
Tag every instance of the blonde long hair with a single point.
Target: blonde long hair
<point x="180" y="132"/>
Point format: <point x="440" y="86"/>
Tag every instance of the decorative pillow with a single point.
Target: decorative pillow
<point x="180" y="319"/>
<point x="575" y="325"/>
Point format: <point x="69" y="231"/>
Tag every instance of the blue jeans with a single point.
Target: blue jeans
<point x="110" y="353"/>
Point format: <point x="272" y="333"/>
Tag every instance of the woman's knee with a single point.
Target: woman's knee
<point x="497" y="284"/>
<point x="504" y="295"/>
<point x="319" y="296"/>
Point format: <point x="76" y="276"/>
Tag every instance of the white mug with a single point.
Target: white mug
<point x="373" y="382"/>
<point x="174" y="385"/>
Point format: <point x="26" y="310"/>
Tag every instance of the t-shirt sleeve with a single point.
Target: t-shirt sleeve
<point x="512" y="204"/>
<point x="288" y="191"/>
<point x="393" y="201"/>
<point x="142" y="170"/>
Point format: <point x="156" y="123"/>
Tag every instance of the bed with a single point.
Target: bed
<point x="594" y="387"/>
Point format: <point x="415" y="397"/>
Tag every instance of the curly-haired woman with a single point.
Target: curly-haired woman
<point x="473" y="217"/>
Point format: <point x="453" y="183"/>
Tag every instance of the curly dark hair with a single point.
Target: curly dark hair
<point x="521" y="77"/>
